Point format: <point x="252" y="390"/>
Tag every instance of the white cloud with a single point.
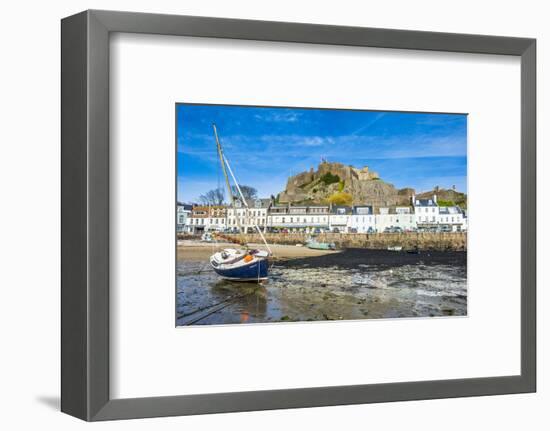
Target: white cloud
<point x="282" y="116"/>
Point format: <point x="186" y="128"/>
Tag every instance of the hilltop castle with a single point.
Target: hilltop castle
<point x="362" y="184"/>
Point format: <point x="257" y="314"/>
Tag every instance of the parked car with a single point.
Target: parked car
<point x="335" y="230"/>
<point x="353" y="230"/>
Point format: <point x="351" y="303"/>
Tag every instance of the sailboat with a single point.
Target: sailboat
<point x="239" y="264"/>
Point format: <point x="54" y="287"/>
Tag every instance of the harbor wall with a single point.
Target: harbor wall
<point x="456" y="241"/>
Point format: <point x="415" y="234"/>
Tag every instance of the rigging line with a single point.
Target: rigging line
<point x="244" y="202"/>
<point x="218" y="177"/>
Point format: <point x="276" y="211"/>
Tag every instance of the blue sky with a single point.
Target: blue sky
<point x="266" y="145"/>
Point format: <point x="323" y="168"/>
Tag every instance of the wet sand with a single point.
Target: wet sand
<point x="314" y="285"/>
<point x="194" y="250"/>
<point x="294" y="256"/>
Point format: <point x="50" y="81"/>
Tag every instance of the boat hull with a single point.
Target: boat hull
<point x="320" y="246"/>
<point x="255" y="271"/>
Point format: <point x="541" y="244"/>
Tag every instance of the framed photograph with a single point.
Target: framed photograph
<point x="309" y="232"/>
<point x="266" y="215"/>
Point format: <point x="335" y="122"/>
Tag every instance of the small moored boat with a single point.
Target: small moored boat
<point x="395" y="248"/>
<point x="239" y="264"/>
<point x="316" y="245"/>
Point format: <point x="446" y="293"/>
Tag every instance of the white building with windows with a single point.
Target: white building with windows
<point x="299" y="218"/>
<point x="452" y="219"/>
<point x="339" y="218"/>
<point x="255" y="215"/>
<point x="426" y="212"/>
<point x="237" y="219"/>
<point x="393" y="218"/>
<point x="214" y="223"/>
<point x="404" y="218"/>
<point x="362" y="220"/>
<point x="183" y="212"/>
<point x="207" y="218"/>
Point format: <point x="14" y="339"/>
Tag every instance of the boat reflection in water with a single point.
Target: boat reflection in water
<point x="248" y="301"/>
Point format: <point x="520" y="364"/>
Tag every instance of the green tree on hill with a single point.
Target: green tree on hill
<point x="329" y="178"/>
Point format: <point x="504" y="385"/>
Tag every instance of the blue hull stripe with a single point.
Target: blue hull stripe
<point x="253" y="271"/>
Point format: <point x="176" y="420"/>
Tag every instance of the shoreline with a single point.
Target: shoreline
<point x="194" y="250"/>
<point x="352" y="257"/>
<point x="412" y="241"/>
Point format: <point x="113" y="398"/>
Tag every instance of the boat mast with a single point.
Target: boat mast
<point x="227" y="183"/>
<point x="245" y="203"/>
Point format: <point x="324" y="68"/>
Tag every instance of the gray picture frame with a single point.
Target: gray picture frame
<point x="85" y="214"/>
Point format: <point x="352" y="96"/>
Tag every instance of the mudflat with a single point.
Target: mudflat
<point x="354" y="257"/>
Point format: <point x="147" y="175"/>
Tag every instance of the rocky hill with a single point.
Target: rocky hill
<point x="446" y="197"/>
<point x="344" y="185"/>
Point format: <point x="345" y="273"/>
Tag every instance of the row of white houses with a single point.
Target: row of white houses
<point x="422" y="214"/>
